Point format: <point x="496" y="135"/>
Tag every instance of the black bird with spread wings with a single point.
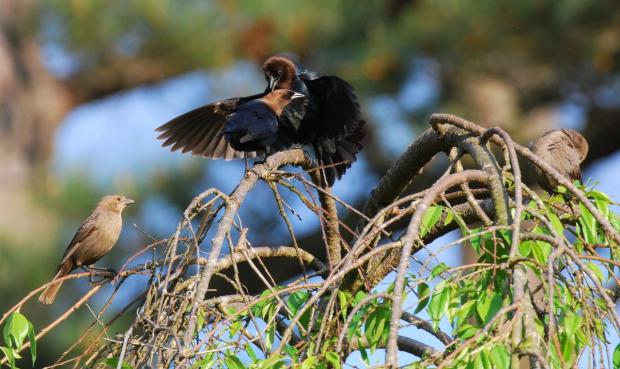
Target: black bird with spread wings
<point x="234" y="128"/>
<point x="328" y="119"/>
<point x="331" y="123"/>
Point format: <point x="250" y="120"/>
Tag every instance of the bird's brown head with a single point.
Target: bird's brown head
<point x="279" y="99"/>
<point x="114" y="202"/>
<point x="280" y="72"/>
<point x="578" y="142"/>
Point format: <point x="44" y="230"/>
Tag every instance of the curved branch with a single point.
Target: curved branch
<point x="294" y="157"/>
<point x="543" y="165"/>
<point x="408" y="240"/>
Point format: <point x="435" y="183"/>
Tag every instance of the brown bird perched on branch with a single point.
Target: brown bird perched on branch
<point x="563" y="149"/>
<point x="329" y="120"/>
<point x="93" y="240"/>
<point x="233" y="128"/>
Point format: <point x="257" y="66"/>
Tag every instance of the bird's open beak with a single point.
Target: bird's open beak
<point x="272" y="82"/>
<point x="297" y="95"/>
<point x="128" y="201"/>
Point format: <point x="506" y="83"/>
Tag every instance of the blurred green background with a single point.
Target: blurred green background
<point x="83" y="83"/>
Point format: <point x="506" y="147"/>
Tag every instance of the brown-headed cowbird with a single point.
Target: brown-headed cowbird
<point x="563" y="149"/>
<point x="233" y="128"/>
<point x="329" y="119"/>
<point x="331" y="122"/>
<point x="95" y="238"/>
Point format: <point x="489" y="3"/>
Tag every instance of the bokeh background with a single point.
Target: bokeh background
<point x="83" y="84"/>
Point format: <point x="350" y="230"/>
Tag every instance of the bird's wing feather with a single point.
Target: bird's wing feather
<point x="86" y="229"/>
<point x="201" y="130"/>
<point x="338" y="102"/>
<point x="341" y="125"/>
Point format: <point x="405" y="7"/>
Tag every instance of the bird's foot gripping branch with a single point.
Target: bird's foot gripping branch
<point x="536" y="292"/>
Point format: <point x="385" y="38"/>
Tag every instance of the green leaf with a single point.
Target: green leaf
<point x="364" y="354"/>
<point x="489" y="304"/>
<point x="525" y="248"/>
<point x="486" y="360"/>
<point x="376" y="327"/>
<point x="270" y="334"/>
<point x="616" y="357"/>
<point x="437" y="270"/>
<point x="359" y="296"/>
<point x="291" y="351"/>
<point x="9" y="354"/>
<point x="308" y="363"/>
<point x="449" y="217"/>
<point x="33" y="342"/>
<point x="541" y="251"/>
<point x="500" y="357"/>
<point x="113" y="362"/>
<point x="597" y="271"/>
<point x="588" y="224"/>
<point x="272" y="362"/>
<point x="424" y="292"/>
<point x="333" y="359"/>
<point x="572" y="322"/>
<point x="343" y="301"/>
<point x="233" y="362"/>
<point x="16" y="330"/>
<point x="429" y="219"/>
<point x="557" y="225"/>
<point x="439" y="304"/>
<point x="250" y="351"/>
<point x="466" y="331"/>
<point x="204" y="363"/>
<point x="296" y="300"/>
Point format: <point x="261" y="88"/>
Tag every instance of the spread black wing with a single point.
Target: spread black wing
<point x="340" y="129"/>
<point x="201" y="130"/>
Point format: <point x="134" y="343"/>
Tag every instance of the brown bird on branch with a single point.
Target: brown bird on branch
<point x="563" y="149"/>
<point x="328" y="119"/>
<point x="93" y="240"/>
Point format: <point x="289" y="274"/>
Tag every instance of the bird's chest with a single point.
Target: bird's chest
<point x="108" y="233"/>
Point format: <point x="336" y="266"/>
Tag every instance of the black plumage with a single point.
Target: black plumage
<point x="331" y="122"/>
<point x="233" y="128"/>
<point x="328" y="119"/>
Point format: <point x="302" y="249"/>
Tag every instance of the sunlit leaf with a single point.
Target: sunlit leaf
<point x="500" y="357"/>
<point x="439" y="304"/>
<point x="488" y="305"/>
<point x="9" y="355"/>
<point x="616" y="357"/>
<point x="33" y="342"/>
<point x="16" y="330"/>
<point x="572" y="322"/>
<point x="296" y="300"/>
<point x="424" y="293"/>
<point x="437" y="270"/>
<point x="333" y="359"/>
<point x="233" y="362"/>
<point x="113" y="362"/>
<point x="596" y="270"/>
<point x="429" y="219"/>
<point x="588" y="225"/>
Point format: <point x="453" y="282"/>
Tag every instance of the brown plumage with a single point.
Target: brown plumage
<point x="94" y="239"/>
<point x="563" y="149"/>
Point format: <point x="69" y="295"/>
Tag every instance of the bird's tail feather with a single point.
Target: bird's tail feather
<point x="49" y="295"/>
<point x="334" y="164"/>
